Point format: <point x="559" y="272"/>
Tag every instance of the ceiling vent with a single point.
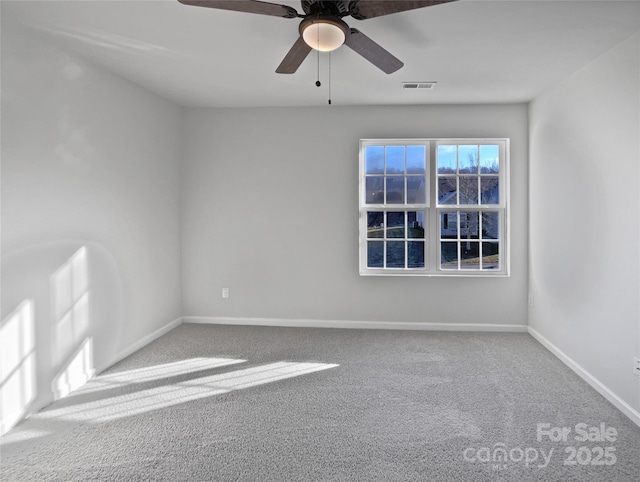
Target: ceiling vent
<point x="419" y="85"/>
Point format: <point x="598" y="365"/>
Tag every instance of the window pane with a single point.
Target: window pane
<point x="374" y="187"/>
<point x="374" y="160"/>
<point x="490" y="256"/>
<point x="489" y="159"/>
<point x="469" y="225"/>
<point x="395" y="159"/>
<point x="395" y="254"/>
<point x="375" y="254"/>
<point x="449" y="255"/>
<point x="468" y="159"/>
<point x="490" y="190"/>
<point x="469" y="190"/>
<point x="490" y="225"/>
<point x="446" y="159"/>
<point x="469" y="255"/>
<point x="415" y="221"/>
<point x="449" y="225"/>
<point x="395" y="224"/>
<point x="375" y="224"/>
<point x="416" y="190"/>
<point x="400" y="223"/>
<point x="395" y="190"/>
<point x="416" y="156"/>
<point x="415" y="254"/>
<point x="447" y="190"/>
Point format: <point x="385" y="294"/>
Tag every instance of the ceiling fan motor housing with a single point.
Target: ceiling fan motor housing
<point x="339" y="8"/>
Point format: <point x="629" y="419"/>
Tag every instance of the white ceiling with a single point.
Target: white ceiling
<point x="478" y="51"/>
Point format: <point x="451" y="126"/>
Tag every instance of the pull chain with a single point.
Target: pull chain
<point x="329" y="78"/>
<point x="318" y="84"/>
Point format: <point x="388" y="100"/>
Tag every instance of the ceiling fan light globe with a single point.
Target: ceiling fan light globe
<point x="324" y="37"/>
<point x="324" y="32"/>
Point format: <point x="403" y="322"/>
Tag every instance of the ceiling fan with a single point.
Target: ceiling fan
<point x="322" y="27"/>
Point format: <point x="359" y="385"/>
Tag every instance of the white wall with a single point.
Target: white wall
<point x="270" y="210"/>
<point x="90" y="218"/>
<point x="584" y="213"/>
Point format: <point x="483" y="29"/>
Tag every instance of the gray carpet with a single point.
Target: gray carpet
<point x="223" y="403"/>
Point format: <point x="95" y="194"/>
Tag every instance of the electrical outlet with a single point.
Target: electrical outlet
<point x="225" y="292"/>
<point x="530" y="301"/>
<point x="636" y="366"/>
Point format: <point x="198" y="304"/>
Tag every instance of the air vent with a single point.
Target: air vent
<point x="419" y="85"/>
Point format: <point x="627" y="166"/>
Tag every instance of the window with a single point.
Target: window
<point x="444" y="217"/>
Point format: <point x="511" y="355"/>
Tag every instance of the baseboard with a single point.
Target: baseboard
<point x="602" y="389"/>
<point x="134" y="347"/>
<point x="375" y="325"/>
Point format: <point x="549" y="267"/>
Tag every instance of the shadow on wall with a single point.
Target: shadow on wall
<point x="67" y="322"/>
<point x="17" y="365"/>
<point x="70" y="330"/>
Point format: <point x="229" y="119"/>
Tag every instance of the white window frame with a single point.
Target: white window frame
<point x="432" y="260"/>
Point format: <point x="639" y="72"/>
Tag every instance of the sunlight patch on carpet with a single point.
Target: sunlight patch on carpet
<point x="153" y="373"/>
<point x="100" y="410"/>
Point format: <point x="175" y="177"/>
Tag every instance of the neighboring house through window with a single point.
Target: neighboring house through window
<point x="434" y="207"/>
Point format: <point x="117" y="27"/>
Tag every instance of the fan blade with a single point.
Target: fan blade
<point x="294" y="57"/>
<point x="364" y="9"/>
<point x="371" y="51"/>
<point x="247" y="6"/>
